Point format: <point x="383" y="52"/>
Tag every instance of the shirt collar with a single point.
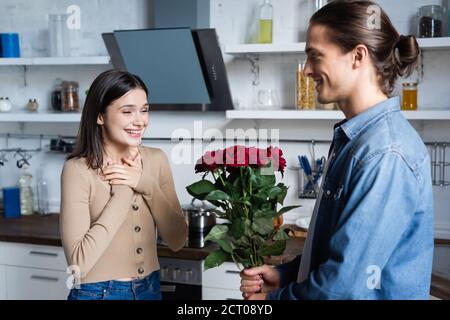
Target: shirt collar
<point x="355" y="125"/>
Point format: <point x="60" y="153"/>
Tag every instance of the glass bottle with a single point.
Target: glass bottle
<point x="306" y="95"/>
<point x="42" y="192"/>
<point x="430" y="21"/>
<point x="70" y="99"/>
<point x="26" y="191"/>
<point x="265" y="22"/>
<point x="409" y="99"/>
<point x="59" y="35"/>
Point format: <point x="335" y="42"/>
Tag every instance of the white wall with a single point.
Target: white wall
<point x="233" y="20"/>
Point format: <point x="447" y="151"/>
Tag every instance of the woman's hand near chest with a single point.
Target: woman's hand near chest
<point x="127" y="173"/>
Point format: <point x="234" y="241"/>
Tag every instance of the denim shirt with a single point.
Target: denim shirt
<point x="374" y="233"/>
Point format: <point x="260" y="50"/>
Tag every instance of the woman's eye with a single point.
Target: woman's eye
<point x="145" y="110"/>
<point x="126" y="112"/>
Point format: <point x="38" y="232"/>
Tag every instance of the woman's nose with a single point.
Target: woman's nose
<point x="140" y="119"/>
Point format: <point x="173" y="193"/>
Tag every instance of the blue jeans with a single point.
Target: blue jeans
<point x="147" y="288"/>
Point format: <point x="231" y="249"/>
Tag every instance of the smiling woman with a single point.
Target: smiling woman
<point x="115" y="193"/>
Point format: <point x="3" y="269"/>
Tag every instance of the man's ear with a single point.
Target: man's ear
<point x="100" y="120"/>
<point x="360" y="55"/>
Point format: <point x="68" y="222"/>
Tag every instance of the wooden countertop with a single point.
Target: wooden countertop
<point x="44" y="230"/>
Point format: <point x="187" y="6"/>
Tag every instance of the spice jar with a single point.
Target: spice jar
<point x="430" y="21"/>
<point x="305" y="91"/>
<point x="70" y="101"/>
<point x="32" y="105"/>
<point x="409" y="96"/>
<point x="56" y="97"/>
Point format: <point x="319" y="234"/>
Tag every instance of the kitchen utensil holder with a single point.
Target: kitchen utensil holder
<point x="439" y="164"/>
<point x="305" y="188"/>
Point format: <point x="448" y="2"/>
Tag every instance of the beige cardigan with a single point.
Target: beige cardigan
<point x="109" y="233"/>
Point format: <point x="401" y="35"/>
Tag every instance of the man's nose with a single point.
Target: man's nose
<point x="307" y="70"/>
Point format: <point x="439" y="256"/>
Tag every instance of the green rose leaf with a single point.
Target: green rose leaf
<point x="218" y="232"/>
<point x="282" y="195"/>
<point x="281" y="235"/>
<point x="286" y="209"/>
<point x="263" y="213"/>
<point x="274" y="192"/>
<point x="217" y="195"/>
<point x="225" y="245"/>
<point x="237" y="228"/>
<point x="263" y="225"/>
<point x="276" y="249"/>
<point x="200" y="189"/>
<point x="215" y="259"/>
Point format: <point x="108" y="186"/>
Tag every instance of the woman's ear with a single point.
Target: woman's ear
<point x="360" y="55"/>
<point x="100" y="120"/>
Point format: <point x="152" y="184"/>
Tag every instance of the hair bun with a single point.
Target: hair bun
<point x="407" y="53"/>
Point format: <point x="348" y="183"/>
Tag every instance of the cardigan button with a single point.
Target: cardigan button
<point x="137" y="229"/>
<point x="141" y="270"/>
<point x="135" y="207"/>
<point x="139" y="250"/>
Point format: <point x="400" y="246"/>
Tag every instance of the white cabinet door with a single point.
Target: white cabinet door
<point x="220" y="294"/>
<point x="2" y="282"/>
<point x="35" y="284"/>
<point x="225" y="276"/>
<point x="33" y="256"/>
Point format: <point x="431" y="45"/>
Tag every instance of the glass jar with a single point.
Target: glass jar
<point x="430" y="21"/>
<point x="305" y="91"/>
<point x="409" y="101"/>
<point x="70" y="100"/>
<point x="58" y="35"/>
<point x="56" y="97"/>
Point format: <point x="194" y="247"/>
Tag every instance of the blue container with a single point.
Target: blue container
<point x="11" y="202"/>
<point x="10" y="47"/>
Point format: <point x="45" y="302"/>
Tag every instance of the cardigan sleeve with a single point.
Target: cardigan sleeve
<point x="158" y="190"/>
<point x="84" y="241"/>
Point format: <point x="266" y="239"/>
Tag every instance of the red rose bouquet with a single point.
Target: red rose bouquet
<point x="244" y="190"/>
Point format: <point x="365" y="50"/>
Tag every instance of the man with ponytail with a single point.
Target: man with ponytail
<point x="371" y="234"/>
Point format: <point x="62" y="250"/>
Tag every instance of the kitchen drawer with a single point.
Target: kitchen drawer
<point x="225" y="276"/>
<point x="2" y="282"/>
<point x="220" y="294"/>
<point x="35" y="284"/>
<point x="33" y="256"/>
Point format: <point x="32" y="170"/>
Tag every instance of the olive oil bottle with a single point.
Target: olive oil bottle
<point x="265" y="22"/>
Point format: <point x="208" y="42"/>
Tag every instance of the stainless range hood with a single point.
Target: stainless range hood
<point x="183" y="68"/>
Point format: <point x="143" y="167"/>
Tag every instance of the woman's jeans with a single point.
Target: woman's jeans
<point x="147" y="288"/>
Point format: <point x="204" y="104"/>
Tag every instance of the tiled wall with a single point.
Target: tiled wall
<point x="233" y="20"/>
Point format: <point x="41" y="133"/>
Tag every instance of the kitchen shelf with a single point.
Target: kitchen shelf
<point x="48" y="61"/>
<point x="41" y="117"/>
<point x="442" y="43"/>
<point x="325" y="114"/>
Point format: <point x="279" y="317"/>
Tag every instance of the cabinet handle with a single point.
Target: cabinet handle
<point x="44" y="278"/>
<point x="39" y="253"/>
<point x="164" y="288"/>
<point x="232" y="272"/>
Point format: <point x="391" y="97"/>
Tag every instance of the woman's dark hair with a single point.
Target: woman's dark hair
<point x="106" y="88"/>
<point x="351" y="23"/>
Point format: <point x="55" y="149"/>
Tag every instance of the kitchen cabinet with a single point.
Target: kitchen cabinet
<point x="222" y="283"/>
<point x="32" y="272"/>
<point x="2" y="282"/>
